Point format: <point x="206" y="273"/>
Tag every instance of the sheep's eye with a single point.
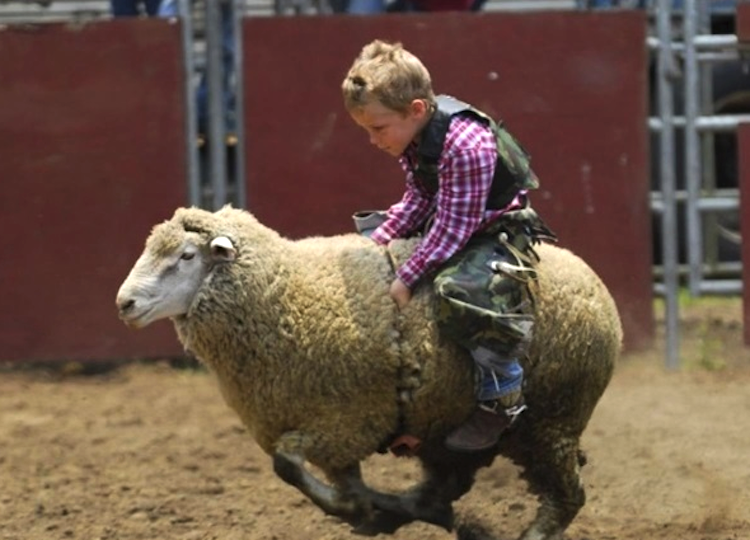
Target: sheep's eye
<point x="187" y="256"/>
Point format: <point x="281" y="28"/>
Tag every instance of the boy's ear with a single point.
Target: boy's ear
<point x="419" y="107"/>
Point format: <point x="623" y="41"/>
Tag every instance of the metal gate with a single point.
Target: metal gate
<point x="690" y="208"/>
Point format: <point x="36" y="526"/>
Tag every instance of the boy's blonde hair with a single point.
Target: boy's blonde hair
<point x="389" y="74"/>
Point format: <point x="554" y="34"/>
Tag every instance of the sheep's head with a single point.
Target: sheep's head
<point x="166" y="278"/>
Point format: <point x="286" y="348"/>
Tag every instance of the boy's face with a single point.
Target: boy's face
<point x="390" y="130"/>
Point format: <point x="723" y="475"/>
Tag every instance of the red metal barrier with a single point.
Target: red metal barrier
<point x="743" y="150"/>
<point x="572" y="86"/>
<point x="92" y="152"/>
<point x="91" y="156"/>
<point x="742" y="19"/>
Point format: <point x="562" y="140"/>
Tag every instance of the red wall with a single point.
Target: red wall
<point x="572" y="86"/>
<point x="91" y="156"/>
<point x="743" y="21"/>
<point x="92" y="151"/>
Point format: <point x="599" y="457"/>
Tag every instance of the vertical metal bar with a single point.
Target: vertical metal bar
<point x="239" y="97"/>
<point x="216" y="122"/>
<point x="693" y="167"/>
<point x="665" y="75"/>
<point x="709" y="221"/>
<point x="191" y="114"/>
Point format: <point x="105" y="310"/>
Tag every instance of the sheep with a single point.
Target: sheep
<point x="322" y="368"/>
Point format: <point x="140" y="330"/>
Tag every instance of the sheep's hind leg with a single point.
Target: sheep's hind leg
<point x="553" y="471"/>
<point x="447" y="476"/>
<point x="412" y="506"/>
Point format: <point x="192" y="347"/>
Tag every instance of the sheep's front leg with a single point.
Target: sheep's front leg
<point x="412" y="506"/>
<point x="330" y="498"/>
<point x="369" y="511"/>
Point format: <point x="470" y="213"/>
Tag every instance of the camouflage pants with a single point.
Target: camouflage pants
<point x="484" y="304"/>
<point x="483" y="294"/>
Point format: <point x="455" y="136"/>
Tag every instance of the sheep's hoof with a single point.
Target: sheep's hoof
<point x="408" y="508"/>
<point x="473" y="530"/>
<point x="442" y="517"/>
<point x="381" y="523"/>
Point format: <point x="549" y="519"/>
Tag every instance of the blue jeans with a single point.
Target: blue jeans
<point x="130" y="8"/>
<point x="500" y="375"/>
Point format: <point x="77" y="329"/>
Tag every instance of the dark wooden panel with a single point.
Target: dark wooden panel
<point x="743" y="150"/>
<point x="572" y="86"/>
<point x="91" y="156"/>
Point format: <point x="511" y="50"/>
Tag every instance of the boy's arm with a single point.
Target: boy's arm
<point x="465" y="180"/>
<point x="406" y="215"/>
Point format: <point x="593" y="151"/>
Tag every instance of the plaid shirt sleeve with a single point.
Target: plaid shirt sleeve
<point x="409" y="213"/>
<point x="465" y="169"/>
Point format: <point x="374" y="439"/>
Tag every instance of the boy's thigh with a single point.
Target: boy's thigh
<point x="479" y="306"/>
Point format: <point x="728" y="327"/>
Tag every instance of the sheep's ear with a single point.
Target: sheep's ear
<point x="222" y="249"/>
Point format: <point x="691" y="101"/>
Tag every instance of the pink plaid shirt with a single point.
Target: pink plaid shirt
<point x="465" y="171"/>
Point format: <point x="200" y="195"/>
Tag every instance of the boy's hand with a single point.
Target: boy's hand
<point x="400" y="293"/>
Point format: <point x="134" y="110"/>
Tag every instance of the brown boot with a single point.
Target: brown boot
<point x="483" y="428"/>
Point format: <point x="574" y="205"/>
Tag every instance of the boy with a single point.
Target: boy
<point x="466" y="183"/>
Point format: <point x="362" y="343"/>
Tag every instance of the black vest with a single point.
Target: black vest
<point x="512" y="171"/>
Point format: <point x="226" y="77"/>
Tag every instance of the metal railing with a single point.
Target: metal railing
<point x="685" y="50"/>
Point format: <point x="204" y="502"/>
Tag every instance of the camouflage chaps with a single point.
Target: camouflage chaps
<point x="483" y="293"/>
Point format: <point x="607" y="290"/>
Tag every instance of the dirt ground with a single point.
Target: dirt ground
<point x="151" y="452"/>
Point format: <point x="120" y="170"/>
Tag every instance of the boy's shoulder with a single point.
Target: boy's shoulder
<point x="455" y="126"/>
<point x="452" y="106"/>
<point x="461" y="117"/>
<point x="468" y="132"/>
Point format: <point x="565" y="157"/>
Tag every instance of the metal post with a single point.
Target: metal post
<point x="191" y="114"/>
<point x="216" y="122"/>
<point x="709" y="221"/>
<point x="666" y="72"/>
<point x="239" y="151"/>
<point x="693" y="162"/>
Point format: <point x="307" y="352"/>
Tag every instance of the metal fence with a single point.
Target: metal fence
<point x="688" y="207"/>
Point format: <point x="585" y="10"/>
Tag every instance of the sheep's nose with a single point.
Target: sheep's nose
<point x="124" y="305"/>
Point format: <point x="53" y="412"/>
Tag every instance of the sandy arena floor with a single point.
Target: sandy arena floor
<point x="150" y="452"/>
